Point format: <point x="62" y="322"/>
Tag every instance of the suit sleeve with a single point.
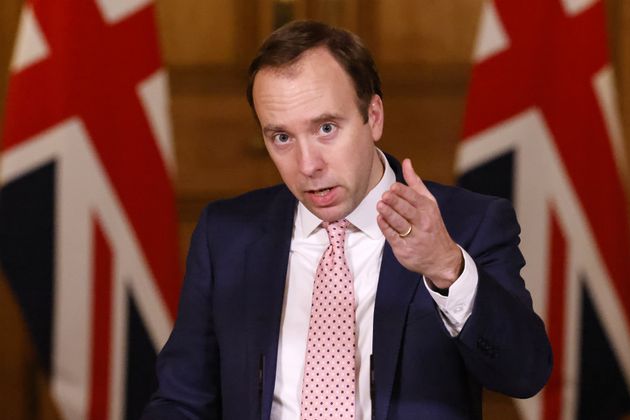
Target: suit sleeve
<point x="188" y="365"/>
<point x="504" y="343"/>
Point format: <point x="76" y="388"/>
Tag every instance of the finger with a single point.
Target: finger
<point x="394" y="219"/>
<point x="392" y="236"/>
<point x="413" y="197"/>
<point x="413" y="180"/>
<point x="403" y="200"/>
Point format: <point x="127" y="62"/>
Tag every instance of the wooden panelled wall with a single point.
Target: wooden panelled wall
<point x="422" y="48"/>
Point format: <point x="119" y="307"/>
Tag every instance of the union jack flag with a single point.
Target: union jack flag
<point x="542" y="129"/>
<point x="88" y="238"/>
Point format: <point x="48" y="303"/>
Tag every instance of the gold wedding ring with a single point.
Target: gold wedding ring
<point x="405" y="234"/>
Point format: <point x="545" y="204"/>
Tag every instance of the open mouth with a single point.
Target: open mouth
<point x="323" y="197"/>
<point x="322" y="192"/>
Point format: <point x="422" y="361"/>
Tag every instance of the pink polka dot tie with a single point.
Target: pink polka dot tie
<point x="328" y="389"/>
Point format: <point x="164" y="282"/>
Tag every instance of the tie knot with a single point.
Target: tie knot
<point x="336" y="231"/>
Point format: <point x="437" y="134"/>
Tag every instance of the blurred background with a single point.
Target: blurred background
<point x="423" y="49"/>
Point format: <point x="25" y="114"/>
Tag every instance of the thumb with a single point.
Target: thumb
<point x="412" y="179"/>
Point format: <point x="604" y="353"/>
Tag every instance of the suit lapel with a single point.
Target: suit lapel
<point x="396" y="287"/>
<point x="266" y="262"/>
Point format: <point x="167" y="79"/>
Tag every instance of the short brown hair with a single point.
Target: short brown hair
<point x="287" y="43"/>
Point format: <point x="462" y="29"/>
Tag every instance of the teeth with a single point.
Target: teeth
<point x="323" y="192"/>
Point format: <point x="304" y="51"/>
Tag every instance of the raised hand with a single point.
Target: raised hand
<point x="410" y="219"/>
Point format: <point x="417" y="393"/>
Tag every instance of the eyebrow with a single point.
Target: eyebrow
<point x="326" y="117"/>
<point x="315" y="121"/>
<point x="272" y="128"/>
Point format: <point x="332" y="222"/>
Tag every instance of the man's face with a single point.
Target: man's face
<point x="315" y="134"/>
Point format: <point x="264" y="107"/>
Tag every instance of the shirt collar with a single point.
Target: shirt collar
<point x="363" y="217"/>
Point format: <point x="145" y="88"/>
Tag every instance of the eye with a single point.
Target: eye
<point x="280" y="138"/>
<point x="327" y="128"/>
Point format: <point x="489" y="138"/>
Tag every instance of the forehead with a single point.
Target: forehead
<point x="316" y="80"/>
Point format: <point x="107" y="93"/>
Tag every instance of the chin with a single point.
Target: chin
<point x="331" y="215"/>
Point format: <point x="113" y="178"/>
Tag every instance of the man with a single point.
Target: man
<point x="355" y="290"/>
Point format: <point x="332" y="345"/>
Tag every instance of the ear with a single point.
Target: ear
<point x="376" y="116"/>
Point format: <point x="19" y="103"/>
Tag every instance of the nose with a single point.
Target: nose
<point x="310" y="159"/>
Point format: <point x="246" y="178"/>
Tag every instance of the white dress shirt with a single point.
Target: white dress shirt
<point x="364" y="251"/>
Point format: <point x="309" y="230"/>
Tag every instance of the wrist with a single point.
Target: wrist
<point x="442" y="279"/>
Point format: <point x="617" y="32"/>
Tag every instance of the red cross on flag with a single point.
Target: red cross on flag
<point x="88" y="238"/>
<point x="542" y="129"/>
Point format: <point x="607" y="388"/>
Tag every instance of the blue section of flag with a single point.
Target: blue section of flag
<point x="603" y="391"/>
<point x="141" y="380"/>
<point x="27" y="251"/>
<point x="494" y="177"/>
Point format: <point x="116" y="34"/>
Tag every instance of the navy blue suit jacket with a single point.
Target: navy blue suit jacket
<point x="220" y="360"/>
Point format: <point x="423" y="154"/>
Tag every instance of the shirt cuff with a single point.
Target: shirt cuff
<point x="457" y="306"/>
